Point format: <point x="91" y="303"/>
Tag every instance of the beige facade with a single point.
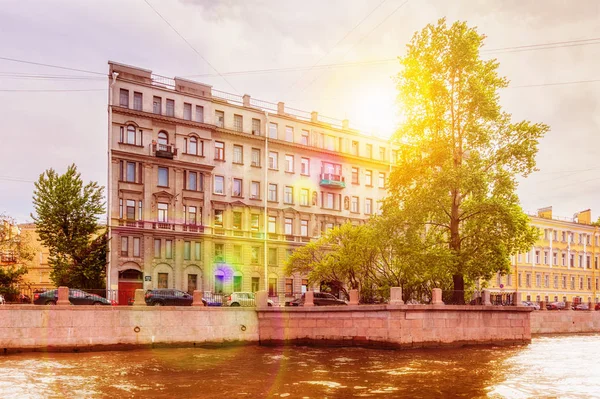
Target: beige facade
<point x="192" y="170"/>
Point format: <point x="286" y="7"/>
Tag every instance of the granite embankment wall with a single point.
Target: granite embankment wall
<point x="397" y="326"/>
<point x="54" y="328"/>
<point x="565" y="321"/>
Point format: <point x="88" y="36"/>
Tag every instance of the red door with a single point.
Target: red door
<point x="127" y="291"/>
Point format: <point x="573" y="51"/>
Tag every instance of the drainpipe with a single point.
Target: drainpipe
<point x="109" y="183"/>
<point x="266" y="193"/>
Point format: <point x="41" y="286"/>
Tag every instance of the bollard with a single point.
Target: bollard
<point x="485" y="298"/>
<point x="436" y="296"/>
<point x="542" y="305"/>
<point x="261" y="299"/>
<point x="353" y="297"/>
<point x="197" y="298"/>
<point x="63" y="296"/>
<point x="309" y="298"/>
<point x="516" y="299"/>
<point x="568" y="305"/>
<point x="139" y="298"/>
<point x="396" y="296"/>
<point x="590" y="306"/>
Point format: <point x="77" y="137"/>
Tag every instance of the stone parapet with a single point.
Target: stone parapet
<point x="563" y="322"/>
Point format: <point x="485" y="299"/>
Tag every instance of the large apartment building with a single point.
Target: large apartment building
<point x="561" y="266"/>
<point x="213" y="191"/>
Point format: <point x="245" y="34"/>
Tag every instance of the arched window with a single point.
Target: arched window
<point x="163" y="141"/>
<point x="193" y="146"/>
<point x="131" y="134"/>
<point x="219" y="281"/>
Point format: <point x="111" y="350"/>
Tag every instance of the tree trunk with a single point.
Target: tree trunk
<point x="458" y="297"/>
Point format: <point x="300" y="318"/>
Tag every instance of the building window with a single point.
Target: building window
<point x="354" y="205"/>
<point x="588" y="262"/>
<point x="218" y="217"/>
<point x="545" y="257"/>
<point x="328" y="201"/>
<point x="289" y="286"/>
<point x="354" y="175"/>
<point x="187" y="250"/>
<point x="368" y="206"/>
<point x="305" y="166"/>
<point x="546" y="281"/>
<point x="272" y="192"/>
<point x="192" y="215"/>
<point x="163" y="212"/>
<point x="255" y="284"/>
<point x="168" y="249"/>
<point x="304" y="228"/>
<point x="304" y="196"/>
<point x="130" y="137"/>
<point x="137" y="101"/>
<point x="237" y="187"/>
<point x="130" y="210"/>
<point x="555" y="281"/>
<point x="156" y="105"/>
<point x="187" y="111"/>
<point x="238" y="123"/>
<point x="124" y="98"/>
<point x="289" y="163"/>
<point x="381" y="180"/>
<point x="136" y="246"/>
<point x="163" y="280"/>
<point x="219" y="185"/>
<point x="563" y="257"/>
<point x="237" y="283"/>
<point x="330" y="143"/>
<point x="255" y="255"/>
<point x="198" y="251"/>
<point x="368" y="178"/>
<point x="273" y="160"/>
<point x="237" y="220"/>
<point x="289" y="226"/>
<point x="272" y="256"/>
<point x="163" y="177"/>
<point x="220" y="118"/>
<point x="272" y="224"/>
<point x="355" y="148"/>
<point x="537" y="257"/>
<point x="157" y="248"/>
<point x="238" y="154"/>
<point x="564" y="282"/>
<point x="219" y="252"/>
<point x="255" y="190"/>
<point x="528" y="280"/>
<point x="199" y="113"/>
<point x="256" y="127"/>
<point x="382" y="153"/>
<point x="192" y="181"/>
<point x="192" y="283"/>
<point x="124" y="246"/>
<point x="304" y="137"/>
<point x="272" y="130"/>
<point x="509" y="280"/>
<point x="170" y="107"/>
<point x="572" y="261"/>
<point x="219" y="150"/>
<point x="581" y="261"/>
<point x="192" y="147"/>
<point x="554" y="259"/>
<point x="130" y="176"/>
<point x="328" y="226"/>
<point x="254" y="222"/>
<point x="219" y="282"/>
<point x="289" y="134"/>
<point x="369" y="150"/>
<point x="256" y="157"/>
<point x="288" y="195"/>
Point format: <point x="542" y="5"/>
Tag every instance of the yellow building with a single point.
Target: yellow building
<point x="38" y="269"/>
<point x="561" y="266"/>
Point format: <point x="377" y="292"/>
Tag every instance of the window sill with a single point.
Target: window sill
<point x="162" y="186"/>
<point x="193" y="155"/>
<point x="355" y="183"/>
<point x="305" y="174"/>
<point x="237" y="196"/>
<point x="274" y="202"/>
<point x="305" y="205"/>
<point x="256" y="166"/>
<point x="288" y="203"/>
<point x="274" y="169"/>
<point x="193" y="191"/>
<point x="369" y="185"/>
<point x="238" y="163"/>
<point x="290" y="172"/>
<point x="220" y="159"/>
<point x="130" y="182"/>
<point x="131" y="145"/>
<point x="220" y="194"/>
<point x="255" y="198"/>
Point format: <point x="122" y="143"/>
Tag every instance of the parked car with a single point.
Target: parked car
<point x="534" y="305"/>
<point x="320" y="299"/>
<point x="555" y="306"/>
<point x="2" y="301"/>
<point x="168" y="297"/>
<point x="76" y="297"/>
<point x="597" y="307"/>
<point x="581" y="306"/>
<point x="244" y="299"/>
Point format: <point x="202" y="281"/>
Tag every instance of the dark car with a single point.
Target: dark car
<point x="581" y="306"/>
<point x="168" y="297"/>
<point x="597" y="307"/>
<point x="555" y="306"/>
<point x="320" y="299"/>
<point x="76" y="297"/>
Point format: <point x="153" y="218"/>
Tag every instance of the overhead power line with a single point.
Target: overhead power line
<point x="555" y="84"/>
<point x="190" y="45"/>
<point x="51" y="66"/>
<point x="46" y="90"/>
<point x="338" y="43"/>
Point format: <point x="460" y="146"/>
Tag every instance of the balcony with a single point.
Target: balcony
<point x="163" y="226"/>
<point x="193" y="228"/>
<point x="131" y="223"/>
<point x="164" y="150"/>
<point x="332" y="181"/>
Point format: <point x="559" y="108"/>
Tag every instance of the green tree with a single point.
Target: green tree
<point x="15" y="252"/>
<point x="460" y="155"/>
<point x="66" y="221"/>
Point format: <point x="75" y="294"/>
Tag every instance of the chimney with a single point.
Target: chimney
<point x="246" y="100"/>
<point x="585" y="217"/>
<point x="314" y="116"/>
<point x="545" y="213"/>
<point x="280" y="108"/>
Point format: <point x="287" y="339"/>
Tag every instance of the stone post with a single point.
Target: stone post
<point x="280" y="108"/>
<point x="314" y="116"/>
<point x="345" y="124"/>
<point x="436" y="296"/>
<point x="516" y="299"/>
<point x="590" y="306"/>
<point x="485" y="298"/>
<point x="246" y="100"/>
<point x="542" y="305"/>
<point x="353" y="297"/>
<point x="261" y="298"/>
<point x="396" y="296"/>
<point x="309" y="297"/>
<point x="568" y="305"/>
<point x="139" y="299"/>
<point x="197" y="298"/>
<point x="63" y="296"/>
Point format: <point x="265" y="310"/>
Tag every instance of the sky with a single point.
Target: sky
<point x="290" y="51"/>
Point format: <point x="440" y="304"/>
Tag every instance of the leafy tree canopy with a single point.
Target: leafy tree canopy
<point x="66" y="221"/>
<point x="460" y="155"/>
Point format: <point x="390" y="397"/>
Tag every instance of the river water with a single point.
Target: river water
<point x="550" y="367"/>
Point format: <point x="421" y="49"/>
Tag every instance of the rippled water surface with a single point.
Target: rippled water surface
<point x="560" y="367"/>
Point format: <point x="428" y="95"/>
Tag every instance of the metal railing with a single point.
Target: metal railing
<point x="163" y="81"/>
<point x="229" y="97"/>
